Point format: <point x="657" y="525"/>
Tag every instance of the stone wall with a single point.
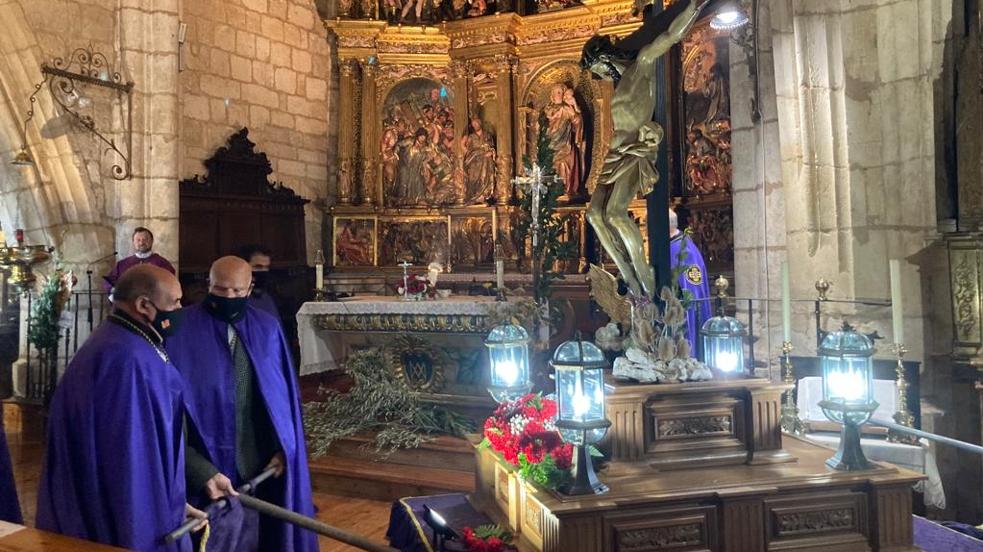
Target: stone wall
<point x="265" y="65"/>
<point x="838" y="176"/>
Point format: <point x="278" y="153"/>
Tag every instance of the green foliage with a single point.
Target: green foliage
<point x="544" y="473"/>
<point x="488" y="531"/>
<point x="377" y="403"/>
<point x="551" y="247"/>
<point x="46" y="309"/>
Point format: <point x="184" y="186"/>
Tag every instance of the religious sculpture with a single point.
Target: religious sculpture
<point x="354" y="243"/>
<point x="628" y="166"/>
<point x="565" y="128"/>
<point x="417" y="146"/>
<point x="479" y="163"/>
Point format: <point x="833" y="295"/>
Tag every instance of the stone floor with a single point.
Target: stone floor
<point x="368" y="518"/>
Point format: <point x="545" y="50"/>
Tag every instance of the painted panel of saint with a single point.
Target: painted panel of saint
<point x="417" y="146"/>
<point x="354" y="242"/>
<point x="416" y="241"/>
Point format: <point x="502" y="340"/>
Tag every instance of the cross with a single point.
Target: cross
<point x="536" y="183"/>
<point x="406" y="278"/>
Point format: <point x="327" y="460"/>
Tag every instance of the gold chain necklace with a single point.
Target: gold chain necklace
<point x="160" y="352"/>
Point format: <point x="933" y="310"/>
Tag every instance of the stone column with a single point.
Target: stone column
<point x="346" y="138"/>
<point x="370" y="142"/>
<point x="504" y="71"/>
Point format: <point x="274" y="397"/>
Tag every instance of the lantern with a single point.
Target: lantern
<point x="723" y="344"/>
<point x="729" y="17"/>
<point x="848" y="391"/>
<point x="579" y="370"/>
<point x="508" y="356"/>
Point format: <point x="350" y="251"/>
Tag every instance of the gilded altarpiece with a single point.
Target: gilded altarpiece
<point x="436" y="121"/>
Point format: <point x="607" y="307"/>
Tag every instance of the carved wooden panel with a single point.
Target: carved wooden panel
<point x="966" y="279"/>
<point x="829" y="518"/>
<point x="892" y="517"/>
<point x="711" y="425"/>
<point x="645" y="530"/>
<point x="626" y="437"/>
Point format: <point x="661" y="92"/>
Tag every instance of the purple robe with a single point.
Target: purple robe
<point x="201" y="353"/>
<point x="109" y="280"/>
<point x="9" y="506"/>
<point x="114" y="465"/>
<point x="263" y="301"/>
<point x="694" y="279"/>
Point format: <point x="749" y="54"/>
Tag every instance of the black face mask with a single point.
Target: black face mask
<point x="167" y="323"/>
<point x="226" y="309"/>
<point x="261" y="279"/>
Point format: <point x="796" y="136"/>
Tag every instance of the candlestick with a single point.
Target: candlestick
<point x="319" y="270"/>
<point x="406" y="278"/>
<point x="789" y="419"/>
<point x="897" y="301"/>
<point x="902" y="415"/>
<point x="786" y="305"/>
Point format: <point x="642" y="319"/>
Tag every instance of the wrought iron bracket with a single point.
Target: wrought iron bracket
<point x="88" y="67"/>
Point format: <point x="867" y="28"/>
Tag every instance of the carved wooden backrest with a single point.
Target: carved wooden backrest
<point x="236" y="204"/>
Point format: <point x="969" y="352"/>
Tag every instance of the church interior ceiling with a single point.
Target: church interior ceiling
<point x="436" y="120"/>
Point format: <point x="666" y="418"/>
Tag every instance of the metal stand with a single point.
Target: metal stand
<point x="902" y="416"/>
<point x="585" y="481"/>
<point x="791" y="423"/>
<point x="500" y="295"/>
<point x="849" y="456"/>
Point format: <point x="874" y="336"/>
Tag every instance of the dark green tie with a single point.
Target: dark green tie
<point x="250" y="455"/>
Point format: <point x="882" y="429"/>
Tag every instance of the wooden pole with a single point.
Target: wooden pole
<point x="657" y="202"/>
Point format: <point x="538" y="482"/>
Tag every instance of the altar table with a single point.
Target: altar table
<point x="435" y="347"/>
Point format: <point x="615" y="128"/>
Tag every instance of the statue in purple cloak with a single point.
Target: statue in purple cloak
<point x="114" y="465"/>
<point x="203" y="355"/>
<point x="692" y="279"/>
<point x="9" y="506"/>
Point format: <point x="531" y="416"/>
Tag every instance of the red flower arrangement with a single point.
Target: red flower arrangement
<point x="487" y="538"/>
<point x="416" y="287"/>
<point x="524" y="433"/>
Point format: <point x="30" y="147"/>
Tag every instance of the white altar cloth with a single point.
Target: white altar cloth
<point x="319" y="349"/>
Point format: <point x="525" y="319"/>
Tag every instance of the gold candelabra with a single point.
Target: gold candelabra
<point x="902" y="416"/>
<point x="791" y="423"/>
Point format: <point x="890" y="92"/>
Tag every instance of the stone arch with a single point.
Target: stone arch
<point x="53" y="200"/>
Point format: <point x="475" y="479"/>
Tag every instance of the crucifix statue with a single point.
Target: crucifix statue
<point x="406" y="278"/>
<point x="629" y="164"/>
<point x="537" y="184"/>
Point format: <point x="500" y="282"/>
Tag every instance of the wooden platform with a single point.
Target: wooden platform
<point x="17" y="538"/>
<point x="801" y="505"/>
<point x="446" y="464"/>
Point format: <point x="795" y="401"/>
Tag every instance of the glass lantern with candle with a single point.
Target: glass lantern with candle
<point x="723" y="345"/>
<point x="508" y="356"/>
<point x="848" y="391"/>
<point x="579" y="370"/>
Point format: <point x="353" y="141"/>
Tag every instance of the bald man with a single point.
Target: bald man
<point x="244" y="399"/>
<point x="114" y="465"/>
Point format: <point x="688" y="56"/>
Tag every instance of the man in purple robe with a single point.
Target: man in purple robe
<point x="114" y="463"/>
<point x="259" y="260"/>
<point x="692" y="279"/>
<point x="9" y="506"/>
<point x="244" y="398"/>
<point x="143" y="243"/>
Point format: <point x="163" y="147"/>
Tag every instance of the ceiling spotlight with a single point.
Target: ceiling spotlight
<point x="731" y="16"/>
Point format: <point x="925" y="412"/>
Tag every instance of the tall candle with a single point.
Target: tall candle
<point x="318" y="276"/>
<point x="897" y="301"/>
<point x="500" y="274"/>
<point x="786" y="305"/>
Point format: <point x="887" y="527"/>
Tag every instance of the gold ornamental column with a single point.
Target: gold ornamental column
<point x="504" y="71"/>
<point x="370" y="142"/>
<point x="346" y="138"/>
<point x="460" y="77"/>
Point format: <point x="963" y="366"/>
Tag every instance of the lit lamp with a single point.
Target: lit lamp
<point x="729" y="17"/>
<point x="579" y="367"/>
<point x="848" y="391"/>
<point x="723" y="345"/>
<point x="508" y="355"/>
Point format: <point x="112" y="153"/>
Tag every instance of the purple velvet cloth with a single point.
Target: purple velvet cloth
<point x="114" y="463"/>
<point x="9" y="506"/>
<point x="201" y="353"/>
<point x="693" y="279"/>
<point x="263" y="301"/>
<point x="233" y="529"/>
<point x="409" y="532"/>
<point x="109" y="280"/>
<point x="932" y="537"/>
